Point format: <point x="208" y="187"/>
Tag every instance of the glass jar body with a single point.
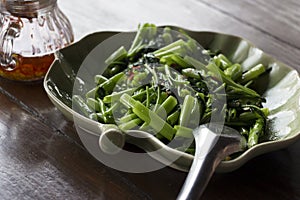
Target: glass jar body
<point x="29" y="38"/>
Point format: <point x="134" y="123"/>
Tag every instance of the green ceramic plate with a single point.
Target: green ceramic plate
<point x="281" y="87"/>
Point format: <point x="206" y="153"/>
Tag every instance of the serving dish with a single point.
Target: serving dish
<point x="280" y="87"/>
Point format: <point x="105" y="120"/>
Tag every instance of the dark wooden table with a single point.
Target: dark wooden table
<point x="41" y="156"/>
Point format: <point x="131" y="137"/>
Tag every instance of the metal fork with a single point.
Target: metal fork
<point x="213" y="144"/>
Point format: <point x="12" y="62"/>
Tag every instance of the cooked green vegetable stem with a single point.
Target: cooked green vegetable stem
<point x="166" y="107"/>
<point x="148" y="116"/>
<point x="253" y="73"/>
<point x="157" y="99"/>
<point x="127" y="118"/>
<point x="130" y="124"/>
<point x="119" y="54"/>
<point x="148" y="97"/>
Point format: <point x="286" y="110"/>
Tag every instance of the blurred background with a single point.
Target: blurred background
<point x="270" y="25"/>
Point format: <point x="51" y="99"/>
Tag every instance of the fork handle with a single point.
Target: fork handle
<point x="197" y="181"/>
<point x="211" y="149"/>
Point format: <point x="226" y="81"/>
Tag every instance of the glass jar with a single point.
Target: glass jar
<point x="30" y="33"/>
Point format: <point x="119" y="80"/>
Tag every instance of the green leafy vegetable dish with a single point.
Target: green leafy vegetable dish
<point x="167" y="85"/>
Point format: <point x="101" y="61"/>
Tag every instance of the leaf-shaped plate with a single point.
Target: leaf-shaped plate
<point x="281" y="88"/>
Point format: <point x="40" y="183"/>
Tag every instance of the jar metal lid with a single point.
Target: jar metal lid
<point x="27" y="7"/>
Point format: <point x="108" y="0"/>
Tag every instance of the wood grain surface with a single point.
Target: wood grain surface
<point x="41" y="156"/>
